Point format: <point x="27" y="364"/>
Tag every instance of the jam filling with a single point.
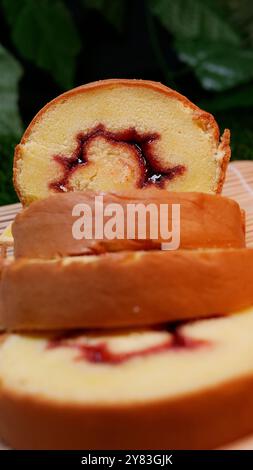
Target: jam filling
<point x="151" y="171"/>
<point x="101" y="354"/>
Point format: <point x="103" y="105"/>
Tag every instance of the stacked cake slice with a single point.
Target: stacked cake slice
<point x="116" y="343"/>
<point x="189" y="387"/>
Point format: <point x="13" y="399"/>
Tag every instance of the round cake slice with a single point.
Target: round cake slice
<point x="125" y="289"/>
<point x="117" y="135"/>
<point x="186" y="387"/>
<point x="45" y="229"/>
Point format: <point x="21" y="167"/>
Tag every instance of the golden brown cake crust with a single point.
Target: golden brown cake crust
<point x="125" y="288"/>
<point x="1" y="307"/>
<point x="44" y="229"/>
<point x="205" y="120"/>
<point x="3" y="262"/>
<point x="201" y="420"/>
<point x="225" y="147"/>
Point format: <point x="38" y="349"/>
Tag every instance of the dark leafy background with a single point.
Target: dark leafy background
<point x="202" y="48"/>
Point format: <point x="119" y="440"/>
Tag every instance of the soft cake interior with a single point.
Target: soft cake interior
<point x="215" y="351"/>
<point x="112" y="137"/>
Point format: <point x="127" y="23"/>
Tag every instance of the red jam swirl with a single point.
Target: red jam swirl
<point x="101" y="354"/>
<point x="152" y="172"/>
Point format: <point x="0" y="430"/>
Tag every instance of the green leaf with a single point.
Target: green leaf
<point x="217" y="65"/>
<point x="44" y="33"/>
<point x="11" y="71"/>
<point x="11" y="9"/>
<point x="240" y="124"/>
<point x="238" y="98"/>
<point x="191" y="19"/>
<point x="10" y="122"/>
<point x="7" y="192"/>
<point x="241" y="14"/>
<point x="112" y="10"/>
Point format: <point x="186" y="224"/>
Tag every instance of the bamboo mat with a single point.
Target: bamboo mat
<point x="238" y="186"/>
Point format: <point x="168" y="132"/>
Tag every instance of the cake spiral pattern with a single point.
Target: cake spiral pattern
<point x="164" y="393"/>
<point x="120" y="134"/>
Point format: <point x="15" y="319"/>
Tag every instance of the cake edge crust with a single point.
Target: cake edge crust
<point x="125" y="289"/>
<point x="204" y="419"/>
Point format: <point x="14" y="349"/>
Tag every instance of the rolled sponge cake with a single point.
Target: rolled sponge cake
<point x="118" y="135"/>
<point x="187" y="387"/>
<point x="125" y="288"/>
<point x="45" y="228"/>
